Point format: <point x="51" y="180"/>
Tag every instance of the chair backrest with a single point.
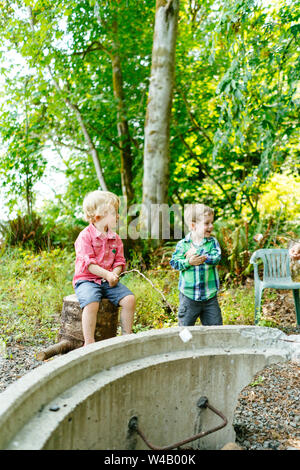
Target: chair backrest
<point x="276" y="263"/>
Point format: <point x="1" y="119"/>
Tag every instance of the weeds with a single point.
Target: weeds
<point x="259" y="381"/>
<point x="32" y="287"/>
<point x="151" y="310"/>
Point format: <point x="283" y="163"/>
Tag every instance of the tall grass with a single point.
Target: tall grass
<point x="237" y="303"/>
<point x="32" y="286"/>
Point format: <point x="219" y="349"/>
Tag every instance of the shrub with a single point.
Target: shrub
<point x="64" y="231"/>
<point x="37" y="233"/>
<point x="27" y="230"/>
<point x="280" y="196"/>
<point x="238" y="240"/>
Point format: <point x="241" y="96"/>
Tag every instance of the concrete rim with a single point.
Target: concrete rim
<point x="23" y="399"/>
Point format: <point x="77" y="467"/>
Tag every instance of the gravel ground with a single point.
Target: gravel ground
<point x="267" y="416"/>
<point x="18" y="361"/>
<point x="268" y="413"/>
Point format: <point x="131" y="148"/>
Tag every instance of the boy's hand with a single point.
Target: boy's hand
<point x="294" y="252"/>
<point x="112" y="279"/>
<point x="196" y="260"/>
<point x="190" y="252"/>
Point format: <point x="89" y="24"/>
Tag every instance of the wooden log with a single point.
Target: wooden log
<point x="62" y="347"/>
<point x="70" y="334"/>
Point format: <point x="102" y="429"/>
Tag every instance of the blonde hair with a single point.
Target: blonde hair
<point x="99" y="203"/>
<point x="194" y="213"/>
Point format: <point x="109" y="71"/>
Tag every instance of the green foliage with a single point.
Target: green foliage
<point x="63" y="229"/>
<point x="281" y="197"/>
<point x="237" y="305"/>
<point x="236" y="106"/>
<point x="257" y="382"/>
<point x="72" y="44"/>
<point x="22" y="160"/>
<point x="42" y="232"/>
<point x="151" y="310"/>
<point x="235" y="109"/>
<point x="236" y="245"/>
<point x="32" y="289"/>
<point x="64" y="232"/>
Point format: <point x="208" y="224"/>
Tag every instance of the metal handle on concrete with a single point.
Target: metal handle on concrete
<point x="202" y="403"/>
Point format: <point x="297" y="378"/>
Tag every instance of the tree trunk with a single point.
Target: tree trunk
<point x="70" y="335"/>
<point x="157" y="123"/>
<point x="112" y="48"/>
<point x="122" y="123"/>
<point x="92" y="149"/>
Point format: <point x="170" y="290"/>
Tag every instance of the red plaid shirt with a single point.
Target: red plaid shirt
<point x="93" y="247"/>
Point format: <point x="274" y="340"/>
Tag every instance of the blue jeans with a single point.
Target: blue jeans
<point x="208" y="310"/>
<point x="89" y="291"/>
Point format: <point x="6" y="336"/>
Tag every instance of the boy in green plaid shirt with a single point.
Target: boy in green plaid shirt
<point x="196" y="257"/>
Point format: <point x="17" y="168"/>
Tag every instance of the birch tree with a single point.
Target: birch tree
<point x="157" y="122"/>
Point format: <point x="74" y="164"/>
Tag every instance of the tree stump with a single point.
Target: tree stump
<point x="70" y="335"/>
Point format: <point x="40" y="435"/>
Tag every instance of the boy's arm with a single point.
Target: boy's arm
<point x="178" y="260"/>
<point x="118" y="270"/>
<point x="98" y="271"/>
<point x="214" y="254"/>
<point x="119" y="261"/>
<point x="85" y="253"/>
<point x="118" y="265"/>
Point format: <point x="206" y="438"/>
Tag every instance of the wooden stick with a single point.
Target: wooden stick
<point x="141" y="274"/>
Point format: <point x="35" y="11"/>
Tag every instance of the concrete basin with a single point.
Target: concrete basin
<point x="86" y="398"/>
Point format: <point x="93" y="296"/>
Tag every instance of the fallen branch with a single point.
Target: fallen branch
<point x="62" y="347"/>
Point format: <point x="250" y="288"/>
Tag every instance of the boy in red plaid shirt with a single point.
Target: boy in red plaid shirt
<point x="99" y="262"/>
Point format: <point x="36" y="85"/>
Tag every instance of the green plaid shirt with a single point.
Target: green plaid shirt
<point x="198" y="282"/>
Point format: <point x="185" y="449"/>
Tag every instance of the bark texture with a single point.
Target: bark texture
<point x="122" y="122"/>
<point x="157" y="123"/>
<point x="70" y="335"/>
<point x="91" y="147"/>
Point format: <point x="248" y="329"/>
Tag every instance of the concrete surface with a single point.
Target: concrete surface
<point x="85" y="399"/>
<point x="2" y="350"/>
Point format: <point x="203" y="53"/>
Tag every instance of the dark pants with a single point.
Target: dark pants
<point x="208" y="310"/>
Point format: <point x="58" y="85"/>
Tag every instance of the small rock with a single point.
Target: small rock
<point x="246" y="444"/>
<point x="274" y="445"/>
